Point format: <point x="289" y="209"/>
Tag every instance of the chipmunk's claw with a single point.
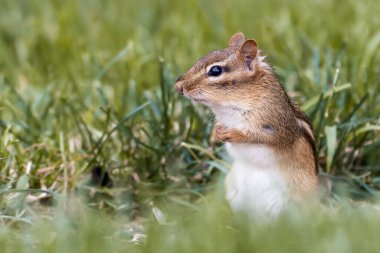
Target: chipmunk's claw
<point x="222" y="133"/>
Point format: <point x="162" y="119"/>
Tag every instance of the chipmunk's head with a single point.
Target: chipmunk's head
<point x="223" y="77"/>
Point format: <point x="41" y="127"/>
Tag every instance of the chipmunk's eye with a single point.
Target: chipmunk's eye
<point x="215" y="70"/>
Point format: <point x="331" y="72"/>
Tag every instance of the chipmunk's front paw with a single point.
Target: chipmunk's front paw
<point x="223" y="134"/>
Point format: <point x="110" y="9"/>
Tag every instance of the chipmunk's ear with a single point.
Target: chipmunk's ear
<point x="236" y="40"/>
<point x="248" y="52"/>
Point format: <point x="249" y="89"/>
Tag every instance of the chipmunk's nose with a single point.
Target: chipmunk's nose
<point x="179" y="88"/>
<point x="179" y="85"/>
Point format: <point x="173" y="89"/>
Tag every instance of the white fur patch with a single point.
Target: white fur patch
<point x="255" y="183"/>
<point x="229" y="117"/>
<point x="262" y="63"/>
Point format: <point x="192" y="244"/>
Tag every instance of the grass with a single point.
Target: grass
<point x="90" y="125"/>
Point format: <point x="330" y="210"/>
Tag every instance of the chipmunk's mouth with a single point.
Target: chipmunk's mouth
<point x="199" y="100"/>
<point x="196" y="97"/>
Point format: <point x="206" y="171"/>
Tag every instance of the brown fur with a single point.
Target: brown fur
<point x="249" y="85"/>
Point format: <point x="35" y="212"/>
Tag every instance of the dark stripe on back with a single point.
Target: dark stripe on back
<point x="310" y="139"/>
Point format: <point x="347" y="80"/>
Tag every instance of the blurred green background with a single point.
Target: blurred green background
<point x="90" y="122"/>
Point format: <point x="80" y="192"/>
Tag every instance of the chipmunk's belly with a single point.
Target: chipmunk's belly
<point x="255" y="183"/>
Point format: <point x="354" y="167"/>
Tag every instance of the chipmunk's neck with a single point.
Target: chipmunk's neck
<point x="230" y="117"/>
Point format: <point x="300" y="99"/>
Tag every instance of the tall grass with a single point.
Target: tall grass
<point x="88" y="112"/>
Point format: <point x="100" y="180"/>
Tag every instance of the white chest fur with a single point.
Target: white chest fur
<point x="255" y="183"/>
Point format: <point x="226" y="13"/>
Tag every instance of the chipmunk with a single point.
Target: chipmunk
<point x="269" y="138"/>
